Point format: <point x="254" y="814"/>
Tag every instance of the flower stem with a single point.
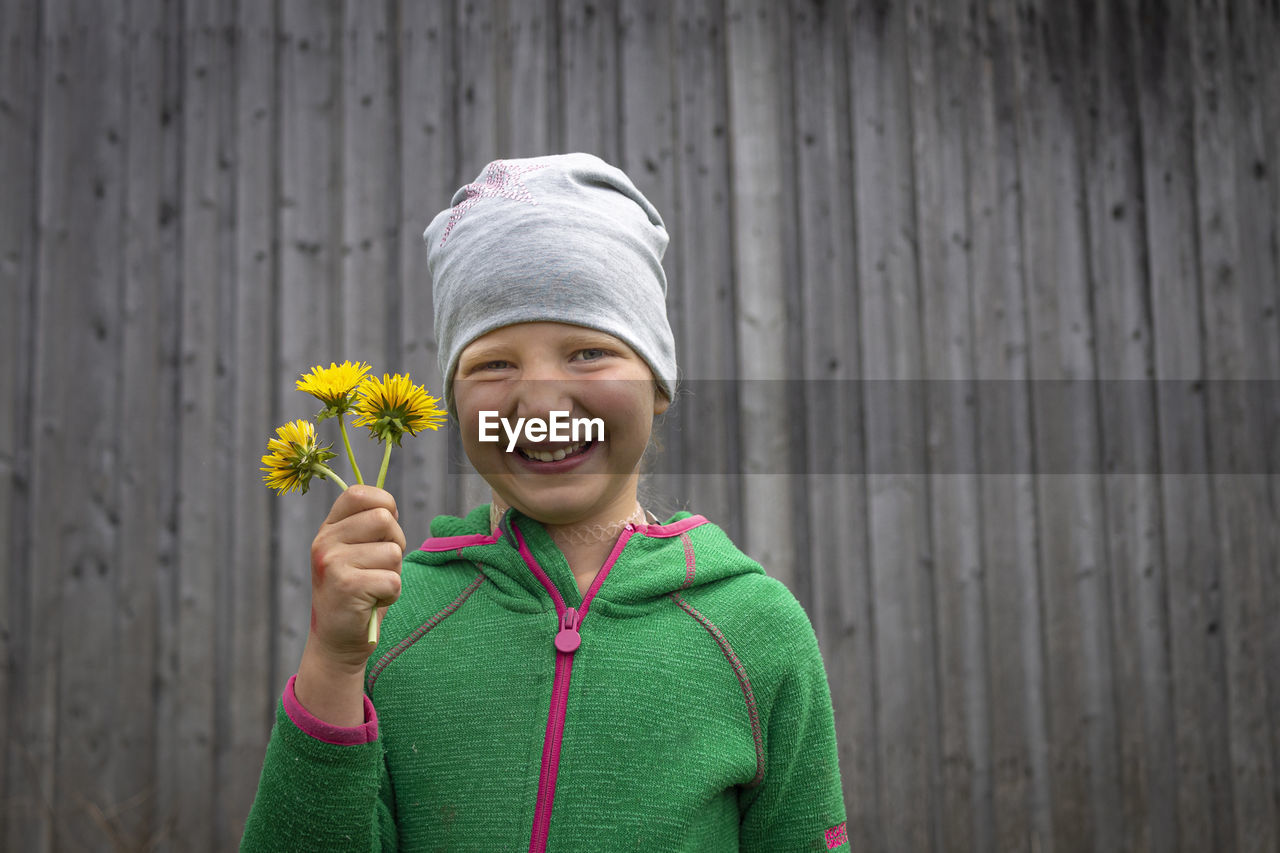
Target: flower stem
<point x="373" y="627"/>
<point x="342" y="425"/>
<point x="326" y="471"/>
<point x="386" y="458"/>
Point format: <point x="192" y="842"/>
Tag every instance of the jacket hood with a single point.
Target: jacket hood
<point x="648" y="562"/>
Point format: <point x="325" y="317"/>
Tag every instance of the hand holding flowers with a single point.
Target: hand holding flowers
<point x="389" y="407"/>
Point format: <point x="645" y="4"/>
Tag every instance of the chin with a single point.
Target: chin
<point x="566" y="503"/>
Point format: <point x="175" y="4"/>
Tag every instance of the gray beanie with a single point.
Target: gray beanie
<point x="567" y="239"/>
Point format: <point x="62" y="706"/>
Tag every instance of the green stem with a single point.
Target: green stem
<point x="386" y="457"/>
<point x="325" y="471"/>
<point x="342" y="425"/>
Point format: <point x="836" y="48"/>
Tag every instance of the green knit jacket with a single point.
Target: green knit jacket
<point x="681" y="704"/>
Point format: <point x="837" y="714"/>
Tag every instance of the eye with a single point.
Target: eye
<point x="590" y="354"/>
<point x="487" y="366"/>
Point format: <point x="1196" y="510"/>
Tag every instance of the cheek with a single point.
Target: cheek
<point x="470" y="403"/>
<point x="626" y="414"/>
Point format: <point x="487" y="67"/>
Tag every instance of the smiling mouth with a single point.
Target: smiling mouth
<point x="536" y="455"/>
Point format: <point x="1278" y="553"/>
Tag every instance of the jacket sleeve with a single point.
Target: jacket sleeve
<point x="318" y="796"/>
<point x="799" y="805"/>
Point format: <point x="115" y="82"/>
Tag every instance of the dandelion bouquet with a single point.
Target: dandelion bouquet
<point x="388" y="407"/>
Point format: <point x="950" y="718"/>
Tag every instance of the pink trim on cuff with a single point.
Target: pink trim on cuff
<point x="322" y="731"/>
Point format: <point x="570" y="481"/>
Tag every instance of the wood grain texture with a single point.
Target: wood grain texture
<point x="20" y="108"/>
<point x="1232" y="269"/>
<point x="204" y="497"/>
<point x="309" y="327"/>
<point x="1196" y="656"/>
<point x="762" y="253"/>
<point x="936" y="44"/>
<point x="701" y="295"/>
<point x="426" y="180"/>
<point x="900" y="553"/>
<point x="834" y="532"/>
<point x="589" y="75"/>
<point x="1079" y="679"/>
<point x="245" y="665"/>
<point x="1112" y="176"/>
<point x="967" y="296"/>
<point x="147" y="485"/>
<point x="1021" y="796"/>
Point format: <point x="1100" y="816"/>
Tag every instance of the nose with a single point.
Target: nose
<point x="541" y="390"/>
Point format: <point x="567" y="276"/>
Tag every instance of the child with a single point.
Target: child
<point x="560" y="670"/>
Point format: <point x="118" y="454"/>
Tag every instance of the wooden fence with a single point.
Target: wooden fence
<point x="1049" y="621"/>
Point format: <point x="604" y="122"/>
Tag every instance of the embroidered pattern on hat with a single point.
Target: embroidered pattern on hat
<point x="836" y="835"/>
<point x="500" y="180"/>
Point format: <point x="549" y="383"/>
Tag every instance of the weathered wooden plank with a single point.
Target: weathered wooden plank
<point x="701" y="430"/>
<point x="1112" y="176"/>
<point x="647" y="126"/>
<point x="937" y="40"/>
<point x="889" y="306"/>
<point x="203" y="493"/>
<point x="82" y="316"/>
<point x="308" y="326"/>
<point x="147" y="441"/>
<point x="1233" y="272"/>
<point x="647" y="135"/>
<point x="1019" y="738"/>
<point x="369" y="187"/>
<point x="1261" y="81"/>
<point x="428" y="164"/>
<point x="1252" y="29"/>
<point x="167" y="689"/>
<point x="1200" y="748"/>
<point x="835" y="498"/>
<point x="63" y="732"/>
<point x="245" y="616"/>
<point x="527" y="79"/>
<point x="758" y="83"/>
<point x="477" y="38"/>
<point x="1083" y="745"/>
<point x="20" y="110"/>
<point x="588" y="63"/>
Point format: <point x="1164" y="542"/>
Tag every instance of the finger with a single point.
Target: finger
<point x="385" y="588"/>
<point x="371" y="525"/>
<point x="379" y="556"/>
<point x="380" y="587"/>
<point x="359" y="498"/>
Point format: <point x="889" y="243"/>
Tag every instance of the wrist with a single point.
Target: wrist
<point x="338" y="735"/>
<point x="318" y="657"/>
<point x="331" y="690"/>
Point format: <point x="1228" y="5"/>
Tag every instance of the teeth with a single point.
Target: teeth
<point x="552" y="455"/>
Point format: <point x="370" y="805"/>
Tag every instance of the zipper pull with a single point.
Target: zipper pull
<point x="569" y="639"/>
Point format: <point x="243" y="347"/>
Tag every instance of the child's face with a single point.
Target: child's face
<point x="530" y="370"/>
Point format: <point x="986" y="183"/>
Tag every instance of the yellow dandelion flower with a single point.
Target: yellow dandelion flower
<point x="335" y="385"/>
<point x="392" y="406"/>
<point x="294" y="457"/>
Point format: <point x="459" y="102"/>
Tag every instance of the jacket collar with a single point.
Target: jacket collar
<point x="655" y="559"/>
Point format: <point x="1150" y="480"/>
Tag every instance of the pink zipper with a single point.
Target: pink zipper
<point x="566" y="642"/>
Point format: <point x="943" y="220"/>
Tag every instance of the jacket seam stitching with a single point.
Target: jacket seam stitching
<point x="420" y="632"/>
<point x="689" y="560"/>
<point x="743" y="681"/>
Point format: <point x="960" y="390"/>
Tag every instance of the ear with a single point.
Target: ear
<point x="660" y="401"/>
